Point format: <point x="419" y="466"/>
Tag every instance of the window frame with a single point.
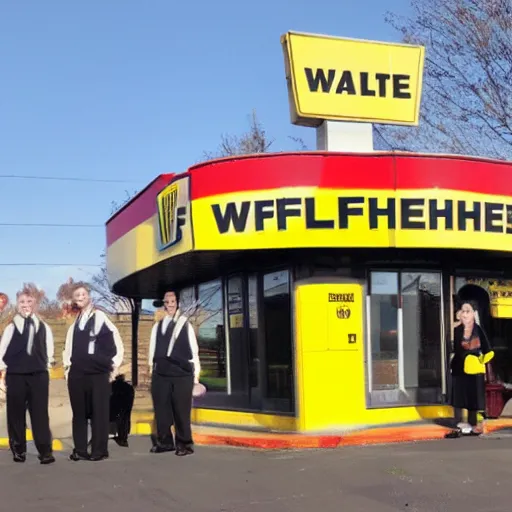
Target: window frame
<point x="369" y="359"/>
<point x="245" y="274"/>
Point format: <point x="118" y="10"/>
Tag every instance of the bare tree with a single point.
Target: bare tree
<point x="254" y="140"/>
<point x="467" y="96"/>
<point x="99" y="283"/>
<point x="104" y="296"/>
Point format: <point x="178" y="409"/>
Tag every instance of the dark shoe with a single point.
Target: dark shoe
<point x="97" y="458"/>
<point x="19" y="457"/>
<point x="47" y="459"/>
<point x="162" y="448"/>
<point x="121" y="442"/>
<point x="183" y="451"/>
<point x="454" y="434"/>
<point x="75" y="456"/>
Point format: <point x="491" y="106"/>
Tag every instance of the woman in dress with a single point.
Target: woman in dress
<point x="468" y="389"/>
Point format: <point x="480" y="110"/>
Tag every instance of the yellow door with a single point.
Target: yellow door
<point x="329" y="355"/>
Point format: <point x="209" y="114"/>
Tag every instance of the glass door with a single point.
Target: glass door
<point x="406" y="333"/>
<point x="256" y="343"/>
<point x="238" y="350"/>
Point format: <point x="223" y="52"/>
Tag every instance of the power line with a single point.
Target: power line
<point x="63" y="178"/>
<point x="50" y="265"/>
<point x="28" y="224"/>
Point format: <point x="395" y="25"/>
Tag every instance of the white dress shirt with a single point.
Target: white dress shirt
<point x="18" y="323"/>
<point x="194" y="347"/>
<point x="100" y="319"/>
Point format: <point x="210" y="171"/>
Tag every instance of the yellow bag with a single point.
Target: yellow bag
<point x="485" y="358"/>
<point x="475" y="365"/>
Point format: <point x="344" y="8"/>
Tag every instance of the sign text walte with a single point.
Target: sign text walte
<point x="382" y="85"/>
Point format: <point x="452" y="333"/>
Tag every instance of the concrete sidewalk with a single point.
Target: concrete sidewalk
<point x="142" y="425"/>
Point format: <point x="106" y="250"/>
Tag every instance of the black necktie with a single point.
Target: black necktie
<point x="28" y="322"/>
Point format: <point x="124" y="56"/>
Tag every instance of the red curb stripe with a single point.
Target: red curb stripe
<point x="283" y="442"/>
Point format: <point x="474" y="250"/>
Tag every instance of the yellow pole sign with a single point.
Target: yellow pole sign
<point x="339" y="79"/>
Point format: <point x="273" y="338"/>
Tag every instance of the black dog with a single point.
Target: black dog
<point x="121" y="405"/>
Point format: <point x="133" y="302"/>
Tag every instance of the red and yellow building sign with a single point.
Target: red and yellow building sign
<point x="307" y="200"/>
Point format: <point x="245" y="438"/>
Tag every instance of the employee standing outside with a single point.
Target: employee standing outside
<point x="92" y="356"/>
<point x="175" y="368"/>
<point x="468" y="390"/>
<point x="26" y="355"/>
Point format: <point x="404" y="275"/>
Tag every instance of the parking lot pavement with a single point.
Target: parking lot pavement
<point x="451" y="475"/>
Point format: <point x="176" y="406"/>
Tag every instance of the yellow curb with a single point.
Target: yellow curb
<point x="142" y="416"/>
<point x="57" y="444"/>
<point x="57" y="373"/>
<point x="142" y="429"/>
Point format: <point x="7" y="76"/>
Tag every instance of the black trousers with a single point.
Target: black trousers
<point x="28" y="392"/>
<point x="90" y="399"/>
<point x="172" y="403"/>
<point x="472" y="417"/>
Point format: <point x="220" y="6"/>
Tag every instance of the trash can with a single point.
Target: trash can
<point x="494" y="400"/>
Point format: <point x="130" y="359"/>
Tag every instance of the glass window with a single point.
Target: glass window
<point x="278" y="393"/>
<point x="479" y="289"/>
<point x="188" y="301"/>
<point x="255" y="341"/>
<point x="384" y="330"/>
<point x="208" y="320"/>
<point x="238" y="357"/>
<point x="421" y="326"/>
<point x="405" y="338"/>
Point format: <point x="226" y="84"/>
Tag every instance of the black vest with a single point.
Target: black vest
<point x="92" y="353"/>
<point x="178" y="363"/>
<point x="16" y="357"/>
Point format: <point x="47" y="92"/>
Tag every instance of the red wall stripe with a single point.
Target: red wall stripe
<point x="138" y="210"/>
<point x="378" y="171"/>
<point x="292" y="170"/>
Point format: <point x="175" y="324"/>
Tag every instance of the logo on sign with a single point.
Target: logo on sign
<point x="345" y="79"/>
<point x="343" y="313"/>
<point x="171" y="215"/>
<point x="341" y="297"/>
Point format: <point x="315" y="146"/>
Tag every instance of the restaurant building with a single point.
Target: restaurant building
<point x="322" y="285"/>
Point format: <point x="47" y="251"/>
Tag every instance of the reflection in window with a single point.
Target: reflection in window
<point x="187" y="301"/>
<point x="421" y="304"/>
<point x="405" y="337"/>
<point x="238" y="357"/>
<point x="208" y="320"/>
<point x="254" y="356"/>
<point x="278" y="341"/>
<point x="384" y="330"/>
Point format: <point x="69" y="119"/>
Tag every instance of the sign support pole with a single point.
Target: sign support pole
<point x="344" y="137"/>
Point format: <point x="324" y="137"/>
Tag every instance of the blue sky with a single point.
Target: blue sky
<point x="125" y="90"/>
